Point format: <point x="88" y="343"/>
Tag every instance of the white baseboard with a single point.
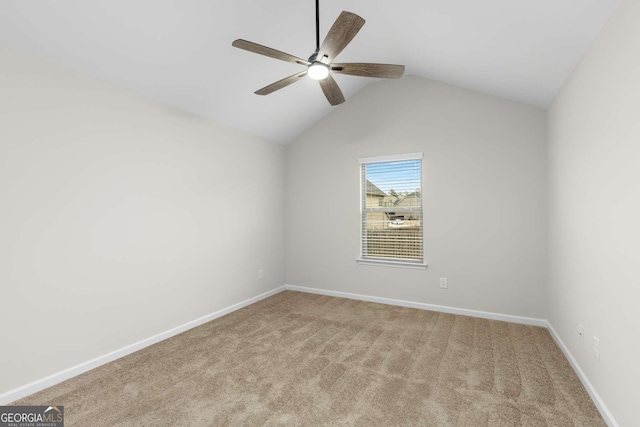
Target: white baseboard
<point x="59" y="377"/>
<point x="604" y="410"/>
<point x="423" y="306"/>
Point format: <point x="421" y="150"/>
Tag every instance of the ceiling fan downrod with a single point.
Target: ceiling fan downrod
<point x="317" y="26"/>
<point x="314" y="56"/>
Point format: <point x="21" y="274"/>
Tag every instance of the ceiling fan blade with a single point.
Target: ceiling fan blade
<point x="331" y="90"/>
<point x="386" y="71"/>
<point x="267" y="51"/>
<point x="341" y="33"/>
<point x="280" y="84"/>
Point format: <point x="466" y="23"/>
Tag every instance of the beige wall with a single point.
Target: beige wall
<point x="114" y="218"/>
<point x="484" y="195"/>
<point x="594" y="181"/>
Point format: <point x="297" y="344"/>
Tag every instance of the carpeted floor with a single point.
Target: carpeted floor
<point x="308" y="360"/>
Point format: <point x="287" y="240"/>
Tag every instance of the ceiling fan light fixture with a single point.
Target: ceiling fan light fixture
<point x="318" y="71"/>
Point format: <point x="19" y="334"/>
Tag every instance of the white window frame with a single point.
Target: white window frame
<point x="379" y="261"/>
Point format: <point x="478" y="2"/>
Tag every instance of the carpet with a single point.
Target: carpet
<point x="298" y="359"/>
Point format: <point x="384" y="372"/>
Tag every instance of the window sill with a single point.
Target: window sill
<point x="397" y="264"/>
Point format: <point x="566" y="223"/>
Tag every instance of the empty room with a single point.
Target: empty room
<point x="319" y="213"/>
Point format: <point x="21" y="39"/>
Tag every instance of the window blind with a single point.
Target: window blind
<point x="391" y="201"/>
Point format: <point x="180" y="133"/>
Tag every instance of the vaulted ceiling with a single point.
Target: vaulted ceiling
<point x="179" y="51"/>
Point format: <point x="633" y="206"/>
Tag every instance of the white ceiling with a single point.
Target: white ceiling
<point x="179" y="51"/>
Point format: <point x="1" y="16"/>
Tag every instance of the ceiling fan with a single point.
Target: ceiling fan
<point x="320" y="64"/>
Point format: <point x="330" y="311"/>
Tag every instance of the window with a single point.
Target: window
<point x="391" y="210"/>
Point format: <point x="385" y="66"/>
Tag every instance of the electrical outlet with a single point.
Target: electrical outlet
<point x="443" y="283"/>
<point x="581" y="333"/>
<point x="261" y="274"/>
<point x="596" y="347"/>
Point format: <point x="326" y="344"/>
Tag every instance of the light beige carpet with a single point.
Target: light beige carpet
<point x="307" y="360"/>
